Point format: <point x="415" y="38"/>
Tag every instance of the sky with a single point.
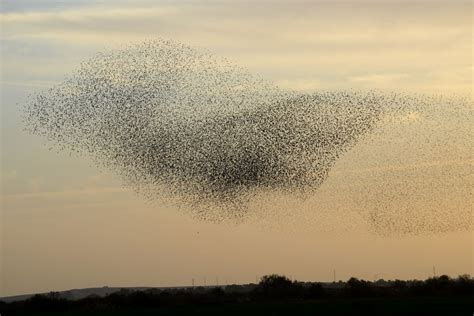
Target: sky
<point x="65" y="223"/>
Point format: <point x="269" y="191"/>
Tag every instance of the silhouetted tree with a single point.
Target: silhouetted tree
<point x="277" y="286"/>
<point x="357" y="288"/>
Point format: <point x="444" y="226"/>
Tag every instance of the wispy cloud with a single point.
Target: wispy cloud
<point x="31" y="83"/>
<point x="84" y="15"/>
<point x="405" y="167"/>
<point x="300" y="45"/>
<point x="70" y="193"/>
<point x="64" y="199"/>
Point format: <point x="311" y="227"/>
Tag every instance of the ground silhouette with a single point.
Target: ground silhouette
<point x="274" y="294"/>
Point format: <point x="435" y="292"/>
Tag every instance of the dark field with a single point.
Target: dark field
<point x="411" y="306"/>
<point x="274" y="295"/>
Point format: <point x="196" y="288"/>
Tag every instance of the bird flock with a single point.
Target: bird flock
<point x="180" y="123"/>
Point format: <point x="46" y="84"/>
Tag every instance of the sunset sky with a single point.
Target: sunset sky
<point x="65" y="223"/>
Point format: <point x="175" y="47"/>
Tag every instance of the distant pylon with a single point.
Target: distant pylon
<point x="434" y="271"/>
<point x="334" y="275"/>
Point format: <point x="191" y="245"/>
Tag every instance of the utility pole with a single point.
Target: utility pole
<point x="434" y="271"/>
<point x="192" y="282"/>
<point x="334" y="275"/>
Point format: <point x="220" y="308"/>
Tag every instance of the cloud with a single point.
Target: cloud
<point x="379" y="78"/>
<point x="31" y="83"/>
<point x="69" y="193"/>
<point x="83" y="15"/>
<point x="307" y="85"/>
<point x="65" y="199"/>
<point x="403" y="168"/>
<point x="363" y="46"/>
<point x="10" y="175"/>
<point x="43" y="5"/>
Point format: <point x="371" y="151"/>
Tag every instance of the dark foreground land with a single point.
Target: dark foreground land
<point x="274" y="295"/>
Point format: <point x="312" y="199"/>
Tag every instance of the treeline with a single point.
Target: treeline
<point x="270" y="288"/>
